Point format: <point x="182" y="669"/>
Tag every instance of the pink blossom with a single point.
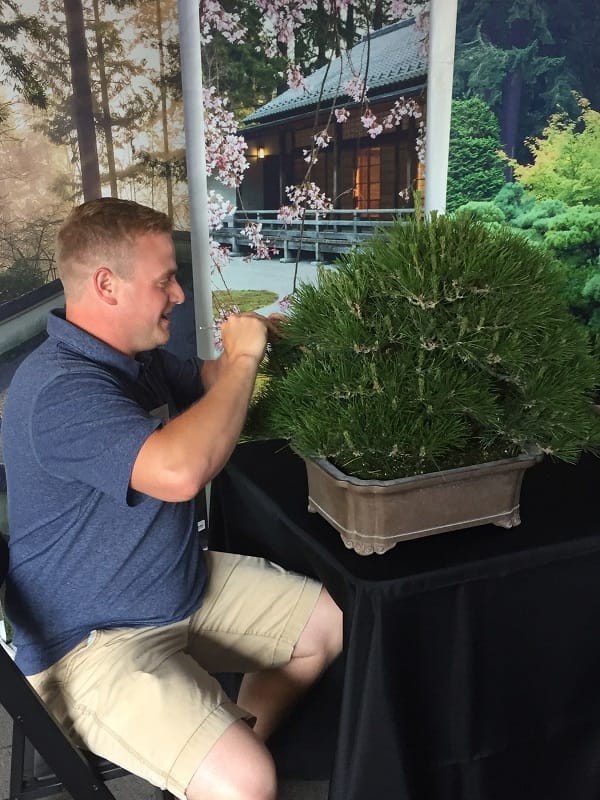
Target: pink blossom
<point x="356" y="88"/>
<point x="309" y="156"/>
<point x="322" y="139"/>
<point x="421" y="142"/>
<point x="341" y="114"/>
<point x="368" y="118"/>
<point x="422" y="20"/>
<point x="225" y="149"/>
<point x="402" y="108"/>
<point x="227" y="311"/>
<point x="285" y="304"/>
<point x="258" y="244"/>
<point x="283" y="17"/>
<point x="218" y="255"/>
<point x="399" y="9"/>
<point x="305" y="197"/>
<point x="224" y="313"/>
<point x="289" y="214"/>
<point x="213" y="17"/>
<point x="369" y="121"/>
<point x="419" y="9"/>
<point x="218" y="209"/>
<point x="295" y="78"/>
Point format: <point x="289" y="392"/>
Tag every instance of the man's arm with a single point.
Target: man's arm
<point x="176" y="461"/>
<point x="211" y="369"/>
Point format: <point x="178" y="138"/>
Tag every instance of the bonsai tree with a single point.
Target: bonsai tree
<point x="438" y="344"/>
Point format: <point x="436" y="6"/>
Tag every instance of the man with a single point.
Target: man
<point x="119" y="616"/>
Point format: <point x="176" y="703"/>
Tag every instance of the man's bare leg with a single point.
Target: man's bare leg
<point x="270" y="694"/>
<point x="238" y="767"/>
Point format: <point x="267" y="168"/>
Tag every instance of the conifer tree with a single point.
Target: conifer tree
<point x="21" y="72"/>
<point x="440" y="344"/>
<point x="475" y="168"/>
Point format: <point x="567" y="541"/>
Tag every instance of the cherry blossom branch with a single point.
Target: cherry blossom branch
<point x="226" y="158"/>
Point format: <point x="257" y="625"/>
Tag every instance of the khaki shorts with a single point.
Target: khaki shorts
<point x="144" y="698"/>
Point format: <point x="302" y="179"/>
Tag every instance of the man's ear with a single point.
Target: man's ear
<point x="105" y="285"/>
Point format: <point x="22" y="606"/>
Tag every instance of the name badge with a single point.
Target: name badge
<point x="161" y="413"/>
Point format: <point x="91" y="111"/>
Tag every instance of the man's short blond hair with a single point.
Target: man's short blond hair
<point x="102" y="232"/>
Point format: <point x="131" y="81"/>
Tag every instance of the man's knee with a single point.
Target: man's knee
<point x="238" y="767"/>
<point x="323" y="634"/>
<point x="334" y="626"/>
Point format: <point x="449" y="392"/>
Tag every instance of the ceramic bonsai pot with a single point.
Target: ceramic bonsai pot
<point x="373" y="516"/>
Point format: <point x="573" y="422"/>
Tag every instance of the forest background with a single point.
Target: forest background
<point x="525" y="138"/>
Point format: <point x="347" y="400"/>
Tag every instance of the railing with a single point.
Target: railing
<point x="333" y="231"/>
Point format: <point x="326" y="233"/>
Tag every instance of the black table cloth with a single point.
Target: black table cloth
<point x="472" y="658"/>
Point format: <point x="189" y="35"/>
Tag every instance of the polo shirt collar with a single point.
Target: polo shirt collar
<point x="75" y="338"/>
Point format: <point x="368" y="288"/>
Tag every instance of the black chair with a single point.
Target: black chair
<point x="44" y="761"/>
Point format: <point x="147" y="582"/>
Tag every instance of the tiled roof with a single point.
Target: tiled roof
<point x="395" y="57"/>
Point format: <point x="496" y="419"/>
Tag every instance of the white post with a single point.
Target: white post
<point x="193" y="110"/>
<point x="442" y="37"/>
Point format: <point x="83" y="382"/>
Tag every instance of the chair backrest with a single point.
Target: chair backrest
<point x="3" y="559"/>
<point x="3" y="571"/>
<point x="28" y="711"/>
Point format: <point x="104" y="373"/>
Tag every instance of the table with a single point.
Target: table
<point x="472" y="658"/>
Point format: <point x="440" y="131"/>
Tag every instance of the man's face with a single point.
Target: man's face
<point x="149" y="295"/>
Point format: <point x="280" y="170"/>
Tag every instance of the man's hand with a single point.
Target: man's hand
<point x="211" y="369"/>
<point x="244" y="335"/>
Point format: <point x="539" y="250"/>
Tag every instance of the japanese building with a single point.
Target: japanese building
<point x="355" y="170"/>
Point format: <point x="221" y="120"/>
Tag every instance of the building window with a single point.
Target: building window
<point x="367" y="179"/>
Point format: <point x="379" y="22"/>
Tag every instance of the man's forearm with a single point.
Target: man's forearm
<point x="211" y="369"/>
<point x="179" y="459"/>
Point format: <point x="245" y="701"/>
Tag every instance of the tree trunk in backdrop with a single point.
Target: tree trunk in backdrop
<point x="105" y="117"/>
<point x="511" y="109"/>
<point x="163" y="108"/>
<point x="82" y="100"/>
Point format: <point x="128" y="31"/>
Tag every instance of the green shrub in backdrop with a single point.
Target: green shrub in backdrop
<point x="570" y="233"/>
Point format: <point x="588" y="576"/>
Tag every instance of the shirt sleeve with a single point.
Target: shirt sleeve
<point x="85" y="428"/>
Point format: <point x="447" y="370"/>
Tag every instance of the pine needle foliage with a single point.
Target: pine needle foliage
<point x="439" y="343"/>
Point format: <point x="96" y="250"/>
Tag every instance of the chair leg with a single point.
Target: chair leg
<point x="21" y="766"/>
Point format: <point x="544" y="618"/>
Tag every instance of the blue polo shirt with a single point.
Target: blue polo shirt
<point x="86" y="551"/>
